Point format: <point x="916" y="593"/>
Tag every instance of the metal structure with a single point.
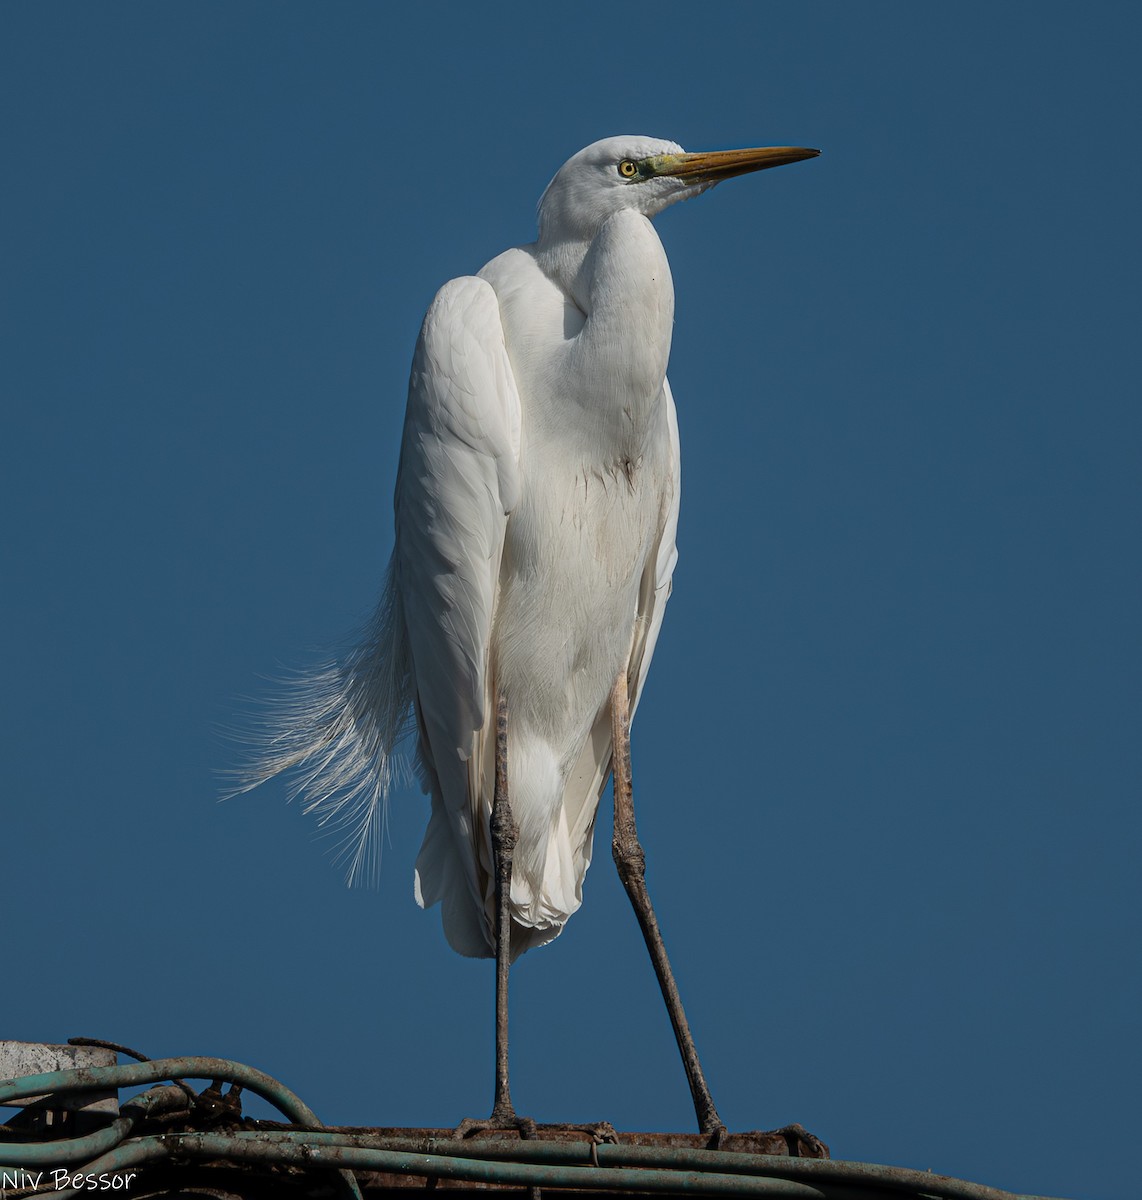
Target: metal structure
<point x="172" y="1141"/>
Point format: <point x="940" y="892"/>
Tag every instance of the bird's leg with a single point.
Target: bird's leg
<point x="631" y="862"/>
<point x="504" y="833"/>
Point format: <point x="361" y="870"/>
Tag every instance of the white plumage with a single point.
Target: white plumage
<point x="536" y="509"/>
<point x="545" y="561"/>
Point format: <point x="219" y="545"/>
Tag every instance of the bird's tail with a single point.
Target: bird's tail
<point x="336" y="730"/>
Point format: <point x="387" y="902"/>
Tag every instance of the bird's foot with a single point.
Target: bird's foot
<point x="716" y="1132"/>
<point x="802" y="1143"/>
<point x="791" y="1141"/>
<point x="502" y="1120"/>
<point x="601" y="1133"/>
<point x="598" y="1133"/>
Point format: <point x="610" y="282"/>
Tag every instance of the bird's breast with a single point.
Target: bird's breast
<point x="595" y="471"/>
<point x="576" y="548"/>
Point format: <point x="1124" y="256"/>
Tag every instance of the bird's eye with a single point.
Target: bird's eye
<point x="628" y="169"/>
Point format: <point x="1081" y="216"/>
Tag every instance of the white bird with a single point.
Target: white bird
<point x="536" y="509"/>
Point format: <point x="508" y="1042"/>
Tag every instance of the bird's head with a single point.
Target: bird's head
<point x="641" y="173"/>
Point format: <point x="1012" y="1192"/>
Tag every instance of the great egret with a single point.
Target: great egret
<point x="536" y="509"/>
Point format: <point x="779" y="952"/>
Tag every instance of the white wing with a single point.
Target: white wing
<point x="655" y="590"/>
<point x="457" y="482"/>
<point x="338" y="728"/>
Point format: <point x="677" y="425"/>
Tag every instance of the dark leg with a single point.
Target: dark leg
<point x="631" y="862"/>
<point x="504" y="834"/>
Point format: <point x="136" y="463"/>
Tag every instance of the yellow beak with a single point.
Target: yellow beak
<point x="715" y="165"/>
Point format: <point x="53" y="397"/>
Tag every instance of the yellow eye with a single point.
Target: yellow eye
<point x="628" y="169"/>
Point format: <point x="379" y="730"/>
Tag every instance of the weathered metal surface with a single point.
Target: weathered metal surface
<point x="37" y="1058"/>
<point x="791" y="1141"/>
<point x="606" y="1169"/>
<point x="88" y="1079"/>
<point x="174" y="1141"/>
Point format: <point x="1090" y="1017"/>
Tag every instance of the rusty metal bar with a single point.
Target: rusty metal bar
<point x="300" y="1150"/>
<point x="558" y="1165"/>
<point x="507" y="1163"/>
<point x="585" y="1154"/>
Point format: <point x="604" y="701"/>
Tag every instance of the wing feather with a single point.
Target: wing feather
<point x="458" y="481"/>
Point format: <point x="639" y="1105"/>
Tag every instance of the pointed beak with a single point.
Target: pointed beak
<point x="717" y="165"/>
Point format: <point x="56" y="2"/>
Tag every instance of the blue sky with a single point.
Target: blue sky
<point x="889" y="762"/>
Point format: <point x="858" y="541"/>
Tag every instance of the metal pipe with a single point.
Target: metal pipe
<point x="722" y="1162"/>
<point x="15" y="1155"/>
<point x="256" y="1149"/>
<point x="711" y="1173"/>
<point x="136" y="1074"/>
<point x="580" y="1165"/>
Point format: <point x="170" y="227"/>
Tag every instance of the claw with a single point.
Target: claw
<point x="717" y="1133"/>
<point x="602" y="1133"/>
<point x="802" y="1143"/>
<point x="497" y="1123"/>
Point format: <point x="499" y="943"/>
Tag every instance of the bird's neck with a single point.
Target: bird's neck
<point x="562" y="262"/>
<point x="622" y="269"/>
<point x="620" y="281"/>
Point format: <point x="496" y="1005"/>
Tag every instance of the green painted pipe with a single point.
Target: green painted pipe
<point x="831" y="1180"/>
<point x="81" y="1079"/>
<point x="14" y="1155"/>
